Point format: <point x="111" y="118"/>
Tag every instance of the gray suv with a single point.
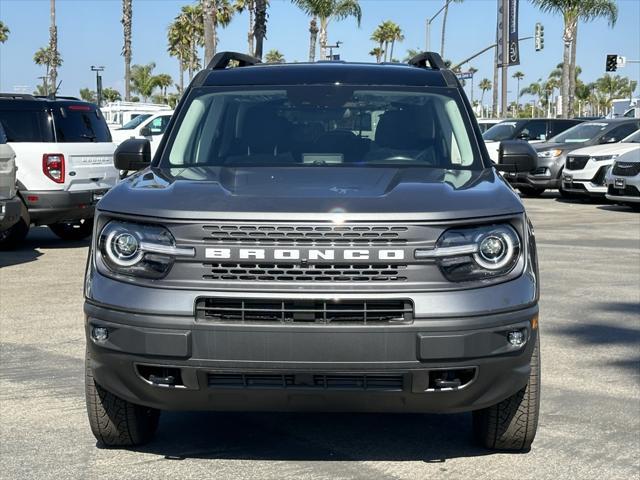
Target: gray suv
<point x="315" y="237"/>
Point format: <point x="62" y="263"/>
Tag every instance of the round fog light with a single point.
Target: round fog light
<point x="99" y="334"/>
<point x="516" y="338"/>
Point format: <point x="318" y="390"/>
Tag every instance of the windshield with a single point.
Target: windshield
<point x="501" y="131"/>
<point x="135" y="121"/>
<point x="317" y="126"/>
<point x="581" y="133"/>
<point x="633" y="138"/>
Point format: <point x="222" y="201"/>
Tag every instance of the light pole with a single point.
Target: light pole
<point x="429" y="20"/>
<point x="331" y="47"/>
<point x="98" y="83"/>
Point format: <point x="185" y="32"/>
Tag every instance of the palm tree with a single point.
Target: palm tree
<point x="484" y="85"/>
<point x="535" y="89"/>
<point x="126" y="20"/>
<point x="379" y="36"/>
<point x="178" y="46"/>
<point x="444" y="23"/>
<point x="215" y="13"/>
<point x="260" y="26"/>
<point x="377" y="52"/>
<point x="412" y="52"/>
<point x="518" y="76"/>
<point x="88" y="95"/>
<point x="572" y="12"/>
<point x="4" y="32"/>
<point x="164" y="81"/>
<point x="313" y="38"/>
<point x="327" y="10"/>
<point x="45" y="57"/>
<point x="472" y="71"/>
<point x="274" y="56"/>
<point x="53" y="46"/>
<point x="111" y="95"/>
<point x="395" y="35"/>
<point x="143" y="81"/>
<point x="191" y="27"/>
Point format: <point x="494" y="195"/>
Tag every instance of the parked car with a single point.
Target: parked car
<point x="623" y="180"/>
<point x="326" y="236"/>
<point x="64" y="156"/>
<point x="149" y="126"/>
<point x="532" y="130"/>
<point x="586" y="168"/>
<point x="118" y="114"/>
<point x="10" y="205"/>
<point x="486" y="123"/>
<point x="552" y="155"/>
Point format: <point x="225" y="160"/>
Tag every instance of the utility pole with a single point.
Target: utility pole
<point x="505" y="54"/>
<point x="331" y="47"/>
<point x="98" y="83"/>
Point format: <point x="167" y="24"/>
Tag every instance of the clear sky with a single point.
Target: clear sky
<point x="90" y="33"/>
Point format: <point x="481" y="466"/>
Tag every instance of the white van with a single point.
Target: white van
<point x="149" y="126"/>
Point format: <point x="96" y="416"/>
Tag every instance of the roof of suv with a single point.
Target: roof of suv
<point x="36" y="102"/>
<point x="426" y="69"/>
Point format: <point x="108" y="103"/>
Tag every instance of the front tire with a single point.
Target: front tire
<point x="15" y="235"/>
<point x="512" y="423"/>
<point x="73" y="231"/>
<point x="115" y="422"/>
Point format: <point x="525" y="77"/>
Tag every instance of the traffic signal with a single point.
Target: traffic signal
<point x="612" y="63"/>
<point x="539" y="37"/>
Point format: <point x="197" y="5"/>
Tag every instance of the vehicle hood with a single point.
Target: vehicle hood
<point x="304" y="193"/>
<point x="118" y="136"/>
<point x="540" y="147"/>
<point x="608" y="149"/>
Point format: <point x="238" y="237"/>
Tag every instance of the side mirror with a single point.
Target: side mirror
<point x="133" y="154"/>
<point x="145" y="132"/>
<point x="608" y="140"/>
<point x="524" y="136"/>
<point x="516" y="156"/>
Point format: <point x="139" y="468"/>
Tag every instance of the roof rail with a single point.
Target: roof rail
<point x="58" y="97"/>
<point x="17" y="96"/>
<point x="428" y="59"/>
<point x="221" y="60"/>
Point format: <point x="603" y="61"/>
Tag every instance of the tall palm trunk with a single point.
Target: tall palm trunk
<point x="572" y="74"/>
<point x="313" y="38"/>
<point x="393" y="42"/>
<point x="181" y="81"/>
<point x="127" y="18"/>
<point x="251" y="7"/>
<point x="444" y="27"/>
<point x="568" y="38"/>
<point x="324" y="38"/>
<point x="53" y="46"/>
<point x="209" y="9"/>
<point x="386" y="50"/>
<point x="260" y="27"/>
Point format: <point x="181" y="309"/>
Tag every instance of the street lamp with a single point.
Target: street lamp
<point x="331" y="47"/>
<point x="98" y="83"/>
<point x="429" y="20"/>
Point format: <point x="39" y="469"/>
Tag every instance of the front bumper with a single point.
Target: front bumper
<point x="47" y="207"/>
<point x="9" y="213"/>
<point x="320" y="368"/>
<point x="546" y="175"/>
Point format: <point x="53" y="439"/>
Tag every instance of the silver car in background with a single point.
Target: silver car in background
<point x="623" y="180"/>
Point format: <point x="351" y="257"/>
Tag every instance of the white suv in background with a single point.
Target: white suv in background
<point x="586" y="169"/>
<point x="10" y="205"/>
<point x="150" y="126"/>
<point x="64" y="156"/>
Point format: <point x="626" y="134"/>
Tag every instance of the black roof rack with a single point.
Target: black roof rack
<point x="428" y="59"/>
<point x="221" y="60"/>
<point x="17" y="96"/>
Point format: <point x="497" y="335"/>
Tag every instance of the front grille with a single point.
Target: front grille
<point x="628" y="191"/>
<point x="306" y="381"/>
<point x="327" y="272"/>
<point x="626" y="169"/>
<point x="327" y="235"/>
<point x="305" y="312"/>
<point x="600" y="177"/>
<point x="576" y="162"/>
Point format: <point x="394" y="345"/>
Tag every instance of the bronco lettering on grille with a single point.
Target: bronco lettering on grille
<point x="307" y="254"/>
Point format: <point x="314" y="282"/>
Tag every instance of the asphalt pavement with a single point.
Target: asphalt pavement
<point x="589" y="424"/>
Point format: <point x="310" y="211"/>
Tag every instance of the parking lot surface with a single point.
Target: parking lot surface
<point x="589" y="425"/>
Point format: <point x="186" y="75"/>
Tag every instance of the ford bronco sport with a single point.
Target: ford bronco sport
<point x="324" y="237"/>
<point x="64" y="157"/>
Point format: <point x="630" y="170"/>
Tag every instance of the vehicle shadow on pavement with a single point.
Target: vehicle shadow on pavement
<point x="608" y="334"/>
<point x="618" y="208"/>
<point x="38" y="238"/>
<point x="314" y="437"/>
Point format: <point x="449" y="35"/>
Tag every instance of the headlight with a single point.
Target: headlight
<point x="475" y="253"/>
<point x="550" y="153"/>
<point x="600" y="158"/>
<point x="139" y="250"/>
